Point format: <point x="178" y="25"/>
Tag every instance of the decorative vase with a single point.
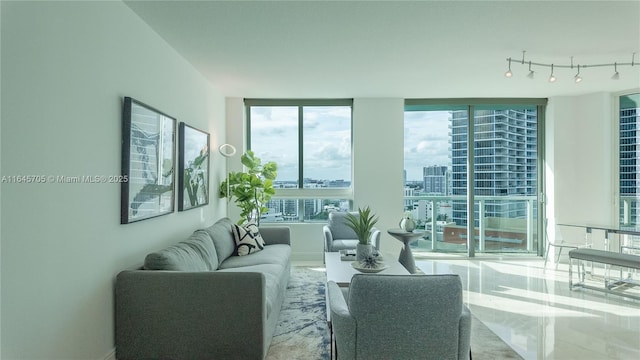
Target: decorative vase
<point x="363" y="250"/>
<point x="407" y="224"/>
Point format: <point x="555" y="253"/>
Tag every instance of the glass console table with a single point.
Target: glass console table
<point x="632" y="230"/>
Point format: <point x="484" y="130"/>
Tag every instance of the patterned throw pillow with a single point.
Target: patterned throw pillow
<point x="248" y="239"/>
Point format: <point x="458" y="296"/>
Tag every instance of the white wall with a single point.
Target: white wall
<point x="378" y="162"/>
<point x="235" y="136"/>
<point x="580" y="165"/>
<point x="65" y="68"/>
<point x="0" y="192"/>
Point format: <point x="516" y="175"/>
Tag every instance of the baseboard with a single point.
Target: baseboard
<point x="111" y="355"/>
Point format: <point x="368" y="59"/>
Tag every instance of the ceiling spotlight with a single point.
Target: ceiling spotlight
<point x="616" y="75"/>
<point x="531" y="72"/>
<point x="509" y="73"/>
<point x="572" y="65"/>
<point x="577" y="78"/>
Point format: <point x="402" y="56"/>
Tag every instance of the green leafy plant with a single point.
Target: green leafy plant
<point x="250" y="189"/>
<point x="362" y="224"/>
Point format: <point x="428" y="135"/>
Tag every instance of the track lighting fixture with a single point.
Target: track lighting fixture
<point x="616" y="74"/>
<point x="577" y="77"/>
<point x="531" y="72"/>
<point x="509" y="73"/>
<point x="552" y="77"/>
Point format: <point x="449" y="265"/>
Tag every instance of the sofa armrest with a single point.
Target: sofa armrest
<point x="189" y="315"/>
<point x="328" y="239"/>
<point x="374" y="238"/>
<point x="342" y="323"/>
<point x="464" y="339"/>
<point x="276" y="235"/>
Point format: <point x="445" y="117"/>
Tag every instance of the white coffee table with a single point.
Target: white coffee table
<point x="341" y="271"/>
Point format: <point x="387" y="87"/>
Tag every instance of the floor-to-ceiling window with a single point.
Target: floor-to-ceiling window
<point x="310" y="140"/>
<point x="502" y="160"/>
<point x="435" y="153"/>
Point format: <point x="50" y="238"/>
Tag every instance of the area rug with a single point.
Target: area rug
<point x="302" y="331"/>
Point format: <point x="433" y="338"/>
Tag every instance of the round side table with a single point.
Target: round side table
<point x="406" y="256"/>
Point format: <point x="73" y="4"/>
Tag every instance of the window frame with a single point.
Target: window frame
<point x="471" y="105"/>
<point x="302" y="193"/>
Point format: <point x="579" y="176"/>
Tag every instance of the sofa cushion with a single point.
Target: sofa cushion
<point x="222" y="237"/>
<point x="197" y="253"/>
<point x="247" y="239"/>
<point x="344" y="244"/>
<point x="277" y="254"/>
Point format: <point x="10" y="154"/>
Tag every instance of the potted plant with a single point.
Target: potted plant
<point x="362" y="225"/>
<point x="250" y="189"/>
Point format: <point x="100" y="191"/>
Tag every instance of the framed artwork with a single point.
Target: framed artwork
<point x="193" y="169"/>
<point x="148" y="158"/>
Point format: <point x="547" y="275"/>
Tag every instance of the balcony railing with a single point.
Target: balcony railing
<point x="502" y="223"/>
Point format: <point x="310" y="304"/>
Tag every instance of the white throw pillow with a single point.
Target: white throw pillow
<point x="248" y="239"/>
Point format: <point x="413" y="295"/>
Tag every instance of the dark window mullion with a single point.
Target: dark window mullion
<point x="300" y="147"/>
<point x="248" y="125"/>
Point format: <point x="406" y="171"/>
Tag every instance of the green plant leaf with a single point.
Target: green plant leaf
<point x="252" y="189"/>
<point x="362" y="224"/>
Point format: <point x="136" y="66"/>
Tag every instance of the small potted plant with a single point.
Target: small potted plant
<point x="362" y="224"/>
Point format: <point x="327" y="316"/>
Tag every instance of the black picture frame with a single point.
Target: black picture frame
<point x="148" y="162"/>
<point x="193" y="167"/>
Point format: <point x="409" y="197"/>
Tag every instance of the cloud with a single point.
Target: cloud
<point x="327" y="140"/>
<point x="275" y="120"/>
<point x="426" y="141"/>
<point x="422" y="146"/>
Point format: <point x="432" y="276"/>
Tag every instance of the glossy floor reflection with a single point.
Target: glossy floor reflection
<point x="533" y="310"/>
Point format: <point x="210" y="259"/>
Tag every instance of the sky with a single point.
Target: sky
<point x="327" y="141"/>
<point x="426" y="140"/>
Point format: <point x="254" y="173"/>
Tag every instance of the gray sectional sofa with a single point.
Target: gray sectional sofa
<point x="197" y="300"/>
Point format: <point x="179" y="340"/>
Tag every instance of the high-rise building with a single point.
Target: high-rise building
<point x="436" y="180"/>
<point x="408" y="204"/>
<point x="629" y="146"/>
<point x="505" y="157"/>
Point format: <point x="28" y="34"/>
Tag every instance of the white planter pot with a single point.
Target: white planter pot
<point x="363" y="250"/>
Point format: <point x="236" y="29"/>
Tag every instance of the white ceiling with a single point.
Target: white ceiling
<point x="408" y="49"/>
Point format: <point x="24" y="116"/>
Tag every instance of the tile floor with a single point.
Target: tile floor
<point x="533" y="310"/>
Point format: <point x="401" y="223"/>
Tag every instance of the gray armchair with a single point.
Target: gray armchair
<point x="400" y="317"/>
<point x="339" y="236"/>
